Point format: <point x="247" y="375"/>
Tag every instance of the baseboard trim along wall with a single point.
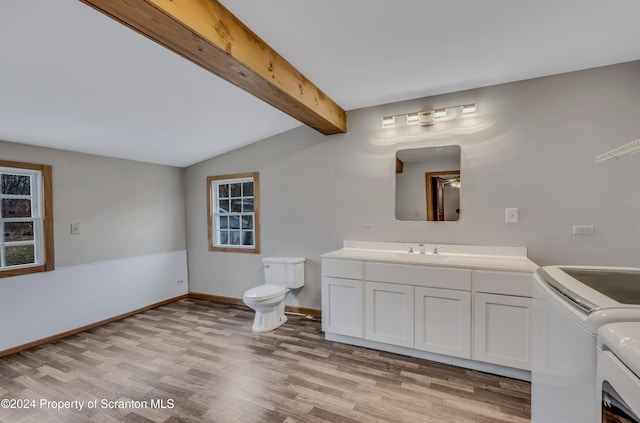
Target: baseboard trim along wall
<point x="43" y="306"/>
<point x="88" y="327"/>
<point x="238" y="301"/>
<point x="31" y="306"/>
<point x="215" y="298"/>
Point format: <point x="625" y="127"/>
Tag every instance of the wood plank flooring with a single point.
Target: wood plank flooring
<point x="199" y="361"/>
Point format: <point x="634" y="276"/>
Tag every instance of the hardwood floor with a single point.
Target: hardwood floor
<point x="201" y="361"/>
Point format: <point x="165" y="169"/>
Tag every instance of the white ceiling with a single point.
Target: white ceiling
<point x="73" y="79"/>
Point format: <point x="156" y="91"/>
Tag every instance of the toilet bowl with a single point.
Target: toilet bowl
<point x="281" y="275"/>
<point x="268" y="305"/>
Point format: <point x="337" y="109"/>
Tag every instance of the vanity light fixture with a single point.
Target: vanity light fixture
<point x="426" y="118"/>
<point x="439" y="113"/>
<point x="413" y="118"/>
<point x="388" y="121"/>
<point x="468" y="109"/>
<point x="429" y="117"/>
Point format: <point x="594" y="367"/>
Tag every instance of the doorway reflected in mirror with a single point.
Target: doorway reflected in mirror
<point x="428" y="183"/>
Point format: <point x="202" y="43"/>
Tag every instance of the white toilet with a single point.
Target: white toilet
<point x="281" y="274"/>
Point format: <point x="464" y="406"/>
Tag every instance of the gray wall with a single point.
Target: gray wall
<point x="125" y="208"/>
<point x="531" y="146"/>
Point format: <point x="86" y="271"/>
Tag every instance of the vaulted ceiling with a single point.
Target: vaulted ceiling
<point x="71" y="78"/>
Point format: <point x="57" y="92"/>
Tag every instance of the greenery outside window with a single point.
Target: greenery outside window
<point x="26" y="218"/>
<point x="233" y="212"/>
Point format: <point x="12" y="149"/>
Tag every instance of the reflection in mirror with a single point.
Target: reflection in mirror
<point x="428" y="184"/>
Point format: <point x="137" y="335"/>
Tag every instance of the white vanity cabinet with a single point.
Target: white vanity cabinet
<point x="389" y="313"/>
<point x="471" y="310"/>
<point x="422" y="307"/>
<point x="342" y="295"/>
<point x="502" y="318"/>
<point x="443" y="321"/>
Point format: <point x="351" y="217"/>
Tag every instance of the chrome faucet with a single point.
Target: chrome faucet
<point x="410" y="250"/>
<point x="435" y="250"/>
<point x="421" y="245"/>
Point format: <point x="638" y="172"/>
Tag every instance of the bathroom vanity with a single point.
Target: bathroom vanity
<point x="466" y="305"/>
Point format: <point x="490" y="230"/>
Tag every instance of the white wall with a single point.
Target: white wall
<point x="451" y="202"/>
<point x="130" y="252"/>
<point x="531" y="146"/>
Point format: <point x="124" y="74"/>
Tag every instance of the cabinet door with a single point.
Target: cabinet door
<point x="503" y="330"/>
<point x="389" y="312"/>
<point x="443" y="321"/>
<point x="342" y="306"/>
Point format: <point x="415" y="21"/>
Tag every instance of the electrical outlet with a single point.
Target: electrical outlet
<point x="180" y="282"/>
<point x="511" y="215"/>
<point x="366" y="226"/>
<point x="583" y="230"/>
<point x="75" y="228"/>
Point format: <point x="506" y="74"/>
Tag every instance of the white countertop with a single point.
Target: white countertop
<point x="475" y="257"/>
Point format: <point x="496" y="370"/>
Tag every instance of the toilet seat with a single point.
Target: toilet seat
<point x="265" y="292"/>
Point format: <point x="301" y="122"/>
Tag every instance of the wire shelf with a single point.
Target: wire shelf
<point x="627" y="149"/>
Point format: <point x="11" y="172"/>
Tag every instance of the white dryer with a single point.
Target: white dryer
<point x="618" y="375"/>
<point x="570" y="305"/>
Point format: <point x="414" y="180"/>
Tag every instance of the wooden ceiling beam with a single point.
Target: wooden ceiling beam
<point x="206" y="33"/>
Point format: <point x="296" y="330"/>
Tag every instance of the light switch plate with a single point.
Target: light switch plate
<point x="511" y="215"/>
<point x="583" y="230"/>
<point x="75" y="228"/>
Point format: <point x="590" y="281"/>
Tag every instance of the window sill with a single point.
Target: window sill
<point x="24" y="271"/>
<point x="235" y="250"/>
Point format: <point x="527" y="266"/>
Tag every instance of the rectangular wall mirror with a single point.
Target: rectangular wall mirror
<point x="428" y="184"/>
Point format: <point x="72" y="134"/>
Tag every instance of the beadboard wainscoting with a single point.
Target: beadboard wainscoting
<point x="42" y="305"/>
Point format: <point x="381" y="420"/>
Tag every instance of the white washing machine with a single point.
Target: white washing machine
<point x="618" y="375"/>
<point x="570" y="305"/>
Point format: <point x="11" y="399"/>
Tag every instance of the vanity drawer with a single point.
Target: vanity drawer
<point x="434" y="277"/>
<point x="346" y="269"/>
<point x="505" y="283"/>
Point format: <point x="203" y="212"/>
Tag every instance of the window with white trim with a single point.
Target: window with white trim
<point x="26" y="241"/>
<point x="234" y="207"/>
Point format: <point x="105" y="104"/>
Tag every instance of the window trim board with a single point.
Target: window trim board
<point x="256" y="213"/>
<point x="47" y="219"/>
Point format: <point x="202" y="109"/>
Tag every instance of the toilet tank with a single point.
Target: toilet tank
<point x="287" y="271"/>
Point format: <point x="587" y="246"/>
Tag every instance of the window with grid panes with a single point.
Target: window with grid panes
<point x="233" y="213"/>
<point x="26" y="244"/>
